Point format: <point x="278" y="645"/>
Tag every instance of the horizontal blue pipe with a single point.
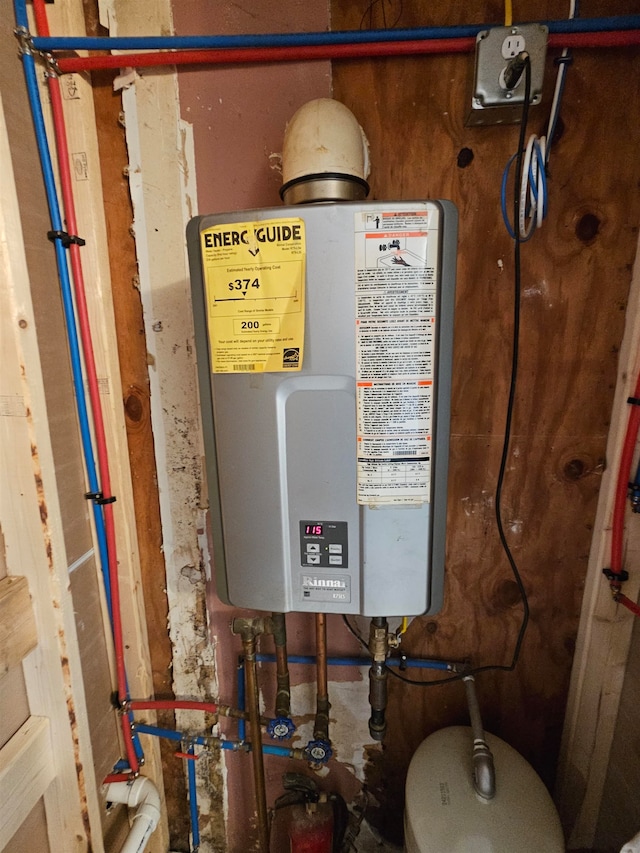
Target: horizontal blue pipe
<point x="573" y="25"/>
<point x="360" y="661"/>
<point x="143" y="728"/>
<point x="169" y="734"/>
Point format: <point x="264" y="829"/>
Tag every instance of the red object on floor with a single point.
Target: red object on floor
<point x="307" y="828"/>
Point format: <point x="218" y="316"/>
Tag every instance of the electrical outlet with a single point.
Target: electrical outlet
<point x="513" y="45"/>
<point x="493" y="101"/>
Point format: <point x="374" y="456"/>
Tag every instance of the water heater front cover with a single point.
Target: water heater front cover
<point x="324" y="339"/>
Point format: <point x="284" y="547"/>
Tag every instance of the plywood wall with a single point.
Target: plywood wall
<point x="575" y="281"/>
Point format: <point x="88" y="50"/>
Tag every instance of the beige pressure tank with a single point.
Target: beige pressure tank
<point x="444" y="814"/>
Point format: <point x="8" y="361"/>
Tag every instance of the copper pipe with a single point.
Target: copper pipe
<point x="321" y="724"/>
<point x="283" y="696"/>
<point x="249" y="629"/>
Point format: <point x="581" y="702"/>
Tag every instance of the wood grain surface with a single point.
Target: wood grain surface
<point x="575" y="279"/>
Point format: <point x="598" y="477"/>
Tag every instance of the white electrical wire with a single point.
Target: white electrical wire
<point x="533" y="189"/>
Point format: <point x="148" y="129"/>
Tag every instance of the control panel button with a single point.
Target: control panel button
<point x="313" y="547"/>
<point x="335" y="549"/>
<point x="335" y="559"/>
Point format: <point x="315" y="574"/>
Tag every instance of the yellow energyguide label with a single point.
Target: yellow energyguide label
<point x="254" y="275"/>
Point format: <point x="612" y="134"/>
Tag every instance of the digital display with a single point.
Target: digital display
<point x="313" y="530"/>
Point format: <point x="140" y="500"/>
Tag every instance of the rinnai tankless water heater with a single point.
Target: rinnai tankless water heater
<point x="324" y="336"/>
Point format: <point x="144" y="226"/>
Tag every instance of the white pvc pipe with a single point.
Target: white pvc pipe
<point x="141" y="794"/>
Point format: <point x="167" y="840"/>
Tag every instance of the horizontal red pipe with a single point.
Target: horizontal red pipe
<point x="235" y="56"/>
<point x="628" y="603"/>
<point x="615" y="38"/>
<point x="188" y="755"/>
<point x="117" y="777"/>
<point x="172" y="704"/>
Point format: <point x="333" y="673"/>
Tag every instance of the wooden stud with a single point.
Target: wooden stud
<point x="162" y="186"/>
<point x="18" y="634"/>
<point x="27" y="768"/>
<point x="605" y="632"/>
<point x="68" y="19"/>
<point x="34" y="542"/>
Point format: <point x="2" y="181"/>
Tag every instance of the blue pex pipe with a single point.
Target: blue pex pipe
<point x="193" y="801"/>
<point x="20" y="11"/>
<point x="242" y="723"/>
<point x="361" y="661"/>
<point x="169" y="734"/>
<point x="572" y="25"/>
<point x="55" y="217"/>
<point x="68" y="306"/>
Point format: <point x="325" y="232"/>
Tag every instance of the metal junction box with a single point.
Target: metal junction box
<point x="492" y="102"/>
<point x="324" y="338"/>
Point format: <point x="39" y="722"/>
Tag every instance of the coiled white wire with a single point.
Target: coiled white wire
<point x="533" y="187"/>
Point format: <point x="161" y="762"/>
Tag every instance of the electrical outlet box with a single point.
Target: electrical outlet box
<point x="493" y="102"/>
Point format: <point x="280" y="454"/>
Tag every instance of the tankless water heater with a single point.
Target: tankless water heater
<point x="324" y="337"/>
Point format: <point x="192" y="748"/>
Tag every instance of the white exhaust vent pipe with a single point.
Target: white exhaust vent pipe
<point x="141" y="794"/>
<point x="325" y="155"/>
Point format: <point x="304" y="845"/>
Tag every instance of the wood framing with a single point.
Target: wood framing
<point x="34" y="542"/>
<point x="18" y="634"/>
<point x="68" y="19"/>
<point x="162" y="185"/>
<point x="605" y="629"/>
<point x="26" y="770"/>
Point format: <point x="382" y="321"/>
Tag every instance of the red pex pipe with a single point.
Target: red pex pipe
<point x="116" y="777"/>
<point x="624" y="473"/>
<point x="628" y="603"/>
<point x="40" y="16"/>
<point x="234" y="56"/>
<point x="172" y="704"/>
<point x="620" y="501"/>
<point x="94" y="396"/>
<point x="84" y="327"/>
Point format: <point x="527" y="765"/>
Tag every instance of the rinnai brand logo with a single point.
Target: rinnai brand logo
<point x="315" y="582"/>
<point x="291" y="357"/>
<point x="263" y="234"/>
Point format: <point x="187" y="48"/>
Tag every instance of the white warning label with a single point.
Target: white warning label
<point x="396" y="278"/>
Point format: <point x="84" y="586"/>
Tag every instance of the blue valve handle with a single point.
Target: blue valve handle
<point x="281" y="728"/>
<point x="318" y="751"/>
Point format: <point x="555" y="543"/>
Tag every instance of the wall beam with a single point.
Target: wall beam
<point x="604" y="636"/>
<point x="18" y="635"/>
<point x="27" y="769"/>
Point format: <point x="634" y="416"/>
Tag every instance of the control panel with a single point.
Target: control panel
<point x="324" y="543"/>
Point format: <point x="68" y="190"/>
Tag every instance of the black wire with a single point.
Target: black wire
<point x="369" y="11"/>
<point x="354" y="632"/>
<point x="450" y="678"/>
<point x="362" y="642"/>
<point x="508" y="422"/>
<point x="517" y="288"/>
